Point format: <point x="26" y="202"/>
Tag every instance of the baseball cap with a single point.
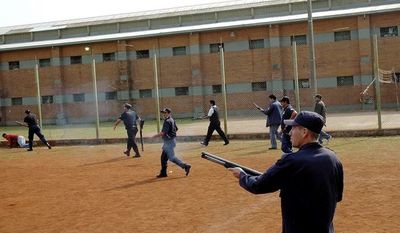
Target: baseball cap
<point x="167" y="110"/>
<point x="310" y="120"/>
<point x="128" y="106"/>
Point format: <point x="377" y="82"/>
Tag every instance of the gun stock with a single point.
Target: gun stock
<point x="228" y="164"/>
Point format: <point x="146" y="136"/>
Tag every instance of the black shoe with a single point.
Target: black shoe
<point x="137" y="156"/>
<point x="127" y="153"/>
<point x="161" y="175"/>
<point x="48" y="146"/>
<point x="30" y="149"/>
<point x="226" y="143"/>
<point x="272" y="148"/>
<point x="204" y="144"/>
<point x="187" y="169"/>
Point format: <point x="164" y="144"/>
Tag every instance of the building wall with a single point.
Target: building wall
<point x="199" y="70"/>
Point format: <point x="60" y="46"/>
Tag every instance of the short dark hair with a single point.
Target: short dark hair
<point x="27" y="111"/>
<point x="128" y="106"/>
<point x="318" y="96"/>
<point x="212" y="102"/>
<point x="272" y="96"/>
<point x="285" y="99"/>
<point x="4" y="134"/>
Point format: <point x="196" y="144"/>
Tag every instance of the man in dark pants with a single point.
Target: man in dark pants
<point x="320" y="108"/>
<point x="31" y="122"/>
<point x="215" y="124"/>
<point x="168" y="134"/>
<point x="310" y="180"/>
<point x="288" y="113"/>
<point x="130" y="118"/>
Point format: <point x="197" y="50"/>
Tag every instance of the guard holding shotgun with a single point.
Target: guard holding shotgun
<point x="310" y="180"/>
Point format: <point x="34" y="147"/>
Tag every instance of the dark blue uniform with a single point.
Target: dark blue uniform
<point x="129" y="118"/>
<point x="286" y="143"/>
<point x="311" y="183"/>
<point x="30" y="119"/>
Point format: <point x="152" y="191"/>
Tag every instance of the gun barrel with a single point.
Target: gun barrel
<point x="227" y="163"/>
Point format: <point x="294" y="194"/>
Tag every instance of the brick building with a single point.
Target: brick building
<point x="256" y="37"/>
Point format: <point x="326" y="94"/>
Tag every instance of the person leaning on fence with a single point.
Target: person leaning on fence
<point x="310" y="180"/>
<point x="288" y="113"/>
<point x="14" y="140"/>
<point x="320" y="108"/>
<point x="215" y="124"/>
<point x="31" y="122"/>
<point x="130" y="118"/>
<point x="274" y="117"/>
<point x="168" y="134"/>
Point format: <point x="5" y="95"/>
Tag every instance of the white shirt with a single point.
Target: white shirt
<point x="211" y="111"/>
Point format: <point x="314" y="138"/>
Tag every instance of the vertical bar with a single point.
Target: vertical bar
<point x="39" y="101"/>
<point x="223" y="85"/>
<point x="296" y="76"/>
<point x="311" y="49"/>
<point x="157" y="91"/>
<point x="95" y="95"/>
<point x="377" y="81"/>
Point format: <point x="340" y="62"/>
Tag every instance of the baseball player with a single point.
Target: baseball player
<point x="14" y="140"/>
<point x="215" y="124"/>
<point x="168" y="134"/>
<point x="130" y="118"/>
<point x="31" y="122"/>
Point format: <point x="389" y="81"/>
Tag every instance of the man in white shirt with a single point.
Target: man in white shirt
<point x="215" y="124"/>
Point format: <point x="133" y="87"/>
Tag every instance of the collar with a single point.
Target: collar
<point x="310" y="145"/>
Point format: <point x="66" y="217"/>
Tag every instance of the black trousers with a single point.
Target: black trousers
<point x="35" y="130"/>
<point x="131" y="143"/>
<point x="164" y="163"/>
<point x="215" y="126"/>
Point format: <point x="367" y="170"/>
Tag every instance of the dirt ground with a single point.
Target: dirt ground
<point x="98" y="189"/>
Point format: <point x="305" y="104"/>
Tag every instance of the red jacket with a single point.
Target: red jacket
<point x="12" y="140"/>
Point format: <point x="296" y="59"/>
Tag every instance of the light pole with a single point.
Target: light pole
<point x="87" y="48"/>
<point x="311" y="49"/>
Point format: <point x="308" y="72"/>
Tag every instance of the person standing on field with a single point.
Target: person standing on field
<point x="320" y="108"/>
<point x="288" y="113"/>
<point x="130" y="118"/>
<point x="310" y="180"/>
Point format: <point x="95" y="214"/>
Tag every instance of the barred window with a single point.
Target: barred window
<point x="300" y="39"/>
<point x="76" y="60"/>
<point x="140" y="54"/>
<point x="47" y="99"/>
<point x="16" y="101"/>
<point x="259" y="86"/>
<point x="108" y="56"/>
<point x="216" y="89"/>
<point x="256" y="44"/>
<point x="178" y="51"/>
<point x="79" y="97"/>
<point x="13" y="65"/>
<point x="111" y="95"/>
<point x="181" y="91"/>
<point x="44" y="62"/>
<point x="389" y="31"/>
<point x="215" y="48"/>
<point x="345" y="81"/>
<point x="303" y="83"/>
<point x="343" y="35"/>
<point x="145" y="93"/>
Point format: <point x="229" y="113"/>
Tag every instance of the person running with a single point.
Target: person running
<point x="31" y="122"/>
<point x="168" y="134"/>
<point x="320" y="108"/>
<point x="215" y="124"/>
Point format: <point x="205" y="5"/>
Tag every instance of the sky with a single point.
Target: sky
<point x="18" y="12"/>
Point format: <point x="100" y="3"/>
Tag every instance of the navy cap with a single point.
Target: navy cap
<point x="167" y="110"/>
<point x="310" y="120"/>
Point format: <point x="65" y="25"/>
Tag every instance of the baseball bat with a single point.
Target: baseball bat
<point x="141" y="124"/>
<point x="228" y="164"/>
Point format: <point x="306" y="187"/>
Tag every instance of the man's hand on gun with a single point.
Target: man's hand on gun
<point x="236" y="171"/>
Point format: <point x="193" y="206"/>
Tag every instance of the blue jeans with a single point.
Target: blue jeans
<point x="169" y="154"/>
<point x="273" y="135"/>
<point x="286" y="143"/>
<point x="323" y="135"/>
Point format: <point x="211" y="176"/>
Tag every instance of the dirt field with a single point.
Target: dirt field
<point x="98" y="189"/>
